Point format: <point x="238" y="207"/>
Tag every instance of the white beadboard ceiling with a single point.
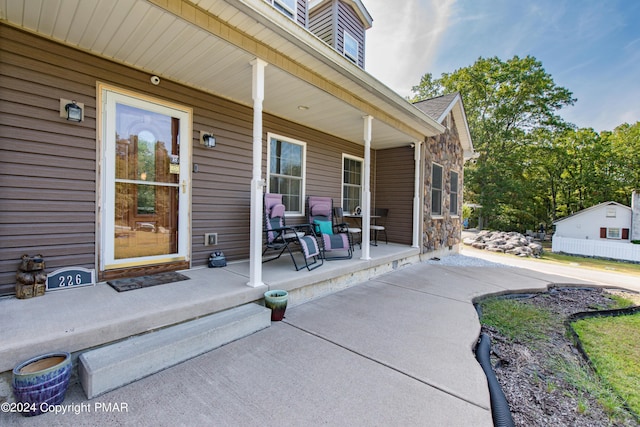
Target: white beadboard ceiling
<point x="149" y="38"/>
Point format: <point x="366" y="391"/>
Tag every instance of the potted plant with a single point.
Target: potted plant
<point x="276" y="300"/>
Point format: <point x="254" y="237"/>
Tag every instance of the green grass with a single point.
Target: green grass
<point x="586" y="382"/>
<point x="532" y="326"/>
<point x="593" y="263"/>
<point x="621" y="302"/>
<point x="517" y="321"/>
<point x="613" y="345"/>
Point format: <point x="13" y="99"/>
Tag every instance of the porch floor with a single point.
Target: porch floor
<point x="77" y="319"/>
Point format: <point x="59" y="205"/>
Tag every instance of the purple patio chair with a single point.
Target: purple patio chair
<point x="334" y="237"/>
<point x="280" y="238"/>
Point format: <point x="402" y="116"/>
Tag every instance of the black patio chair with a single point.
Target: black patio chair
<point x="380" y="224"/>
<point x="338" y="218"/>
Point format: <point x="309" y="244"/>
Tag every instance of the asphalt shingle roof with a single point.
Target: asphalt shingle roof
<point x="434" y="107"/>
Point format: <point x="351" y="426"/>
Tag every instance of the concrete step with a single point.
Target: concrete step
<point x="115" y="365"/>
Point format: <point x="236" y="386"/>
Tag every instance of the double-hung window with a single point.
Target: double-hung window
<point x="351" y="47"/>
<point x="613" y="233"/>
<point x="288" y="7"/>
<point x="351" y="183"/>
<point x="453" y="195"/>
<point x="436" y="189"/>
<point x="286" y="171"/>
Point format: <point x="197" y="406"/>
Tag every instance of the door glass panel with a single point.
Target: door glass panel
<point x="147" y="180"/>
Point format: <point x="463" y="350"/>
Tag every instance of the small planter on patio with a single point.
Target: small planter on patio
<point x="277" y="301"/>
<point x="41" y="382"/>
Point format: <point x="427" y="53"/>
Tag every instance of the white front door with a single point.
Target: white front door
<point x="146" y="146"/>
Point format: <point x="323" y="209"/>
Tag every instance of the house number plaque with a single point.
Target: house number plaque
<point x="71" y="277"/>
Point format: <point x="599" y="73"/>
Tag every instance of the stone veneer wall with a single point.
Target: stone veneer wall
<point x="443" y="232"/>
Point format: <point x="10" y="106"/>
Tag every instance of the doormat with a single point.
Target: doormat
<point x="123" y="285"/>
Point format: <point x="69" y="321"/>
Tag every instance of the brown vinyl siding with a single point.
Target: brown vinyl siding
<point x="321" y="23"/>
<point x="48" y="165"/>
<point x="394" y="189"/>
<point x="331" y="20"/>
<point x="302" y="13"/>
<point x="324" y="159"/>
<point x="47" y="172"/>
<point x="348" y="21"/>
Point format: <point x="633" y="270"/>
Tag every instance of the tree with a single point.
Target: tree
<point x="624" y="144"/>
<point x="505" y="102"/>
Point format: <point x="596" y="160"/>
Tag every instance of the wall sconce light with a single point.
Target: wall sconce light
<point x="71" y="110"/>
<point x="74" y="112"/>
<point x="207" y="139"/>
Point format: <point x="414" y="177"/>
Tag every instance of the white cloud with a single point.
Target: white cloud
<point x="404" y="40"/>
<point x="591" y="47"/>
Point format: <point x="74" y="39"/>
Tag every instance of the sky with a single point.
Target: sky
<point x="589" y="47"/>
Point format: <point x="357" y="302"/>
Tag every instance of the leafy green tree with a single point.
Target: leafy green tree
<point x="624" y="143"/>
<point x="505" y="102"/>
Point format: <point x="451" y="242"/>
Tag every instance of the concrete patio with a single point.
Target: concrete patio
<point x="394" y="350"/>
<point x="384" y="345"/>
<point x="77" y="319"/>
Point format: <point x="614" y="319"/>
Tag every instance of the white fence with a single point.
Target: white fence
<point x="622" y="250"/>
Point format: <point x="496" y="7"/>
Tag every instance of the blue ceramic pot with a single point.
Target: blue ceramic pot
<point x="42" y="381"/>
<point x="277" y="301"/>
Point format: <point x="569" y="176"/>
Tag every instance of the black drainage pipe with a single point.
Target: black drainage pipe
<point x="499" y="406"/>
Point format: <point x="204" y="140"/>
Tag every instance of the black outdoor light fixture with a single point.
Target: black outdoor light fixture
<point x="74" y="112"/>
<point x="207" y="139"/>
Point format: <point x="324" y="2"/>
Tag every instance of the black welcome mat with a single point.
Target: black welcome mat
<point x="123" y="285"/>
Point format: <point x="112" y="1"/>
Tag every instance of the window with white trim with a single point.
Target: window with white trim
<point x="351" y="47"/>
<point x="351" y="183"/>
<point x="286" y="171"/>
<point x="453" y="195"/>
<point x="436" y="189"/>
<point x="288" y="7"/>
<point x="613" y="233"/>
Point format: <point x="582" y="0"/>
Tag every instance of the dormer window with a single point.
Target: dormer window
<point x="351" y="47"/>
<point x="288" y="7"/>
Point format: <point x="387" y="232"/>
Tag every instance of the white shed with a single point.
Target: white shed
<point x="608" y="220"/>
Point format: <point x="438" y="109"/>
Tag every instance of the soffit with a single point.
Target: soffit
<point x="178" y="40"/>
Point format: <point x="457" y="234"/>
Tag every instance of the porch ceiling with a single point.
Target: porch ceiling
<point x="161" y="41"/>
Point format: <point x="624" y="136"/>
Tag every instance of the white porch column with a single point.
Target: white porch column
<point x="257" y="183"/>
<point x="366" y="190"/>
<point x="417" y="218"/>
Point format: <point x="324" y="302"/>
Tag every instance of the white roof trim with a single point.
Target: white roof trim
<point x="594" y="207"/>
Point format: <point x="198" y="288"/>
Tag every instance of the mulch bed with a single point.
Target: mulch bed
<point x="538" y="396"/>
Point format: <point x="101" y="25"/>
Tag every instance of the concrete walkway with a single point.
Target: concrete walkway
<point x="395" y="350"/>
